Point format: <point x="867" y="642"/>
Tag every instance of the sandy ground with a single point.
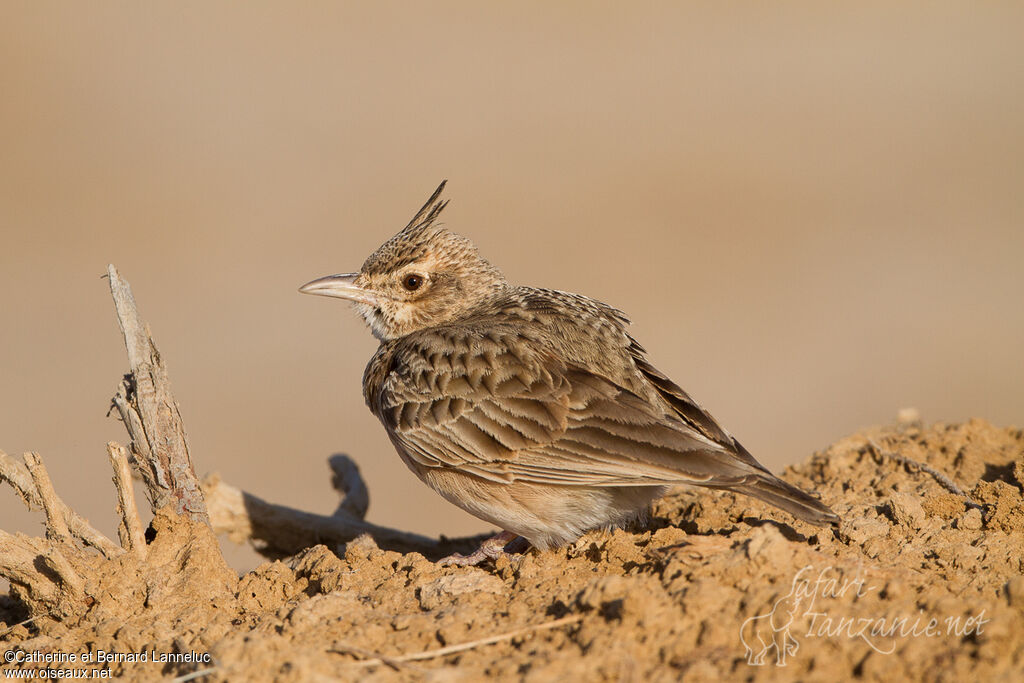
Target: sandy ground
<point x="918" y="583"/>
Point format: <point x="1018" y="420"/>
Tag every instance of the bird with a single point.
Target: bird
<point x="532" y="409"/>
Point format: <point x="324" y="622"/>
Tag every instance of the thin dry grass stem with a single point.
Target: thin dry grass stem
<point x="130" y="529"/>
<point x="26" y="622"/>
<point x="56" y="525"/>
<point x="368" y="656"/>
<point x="195" y="674"/>
<point x="396" y="660"/>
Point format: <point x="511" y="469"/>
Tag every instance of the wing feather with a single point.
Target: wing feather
<point x="504" y="408"/>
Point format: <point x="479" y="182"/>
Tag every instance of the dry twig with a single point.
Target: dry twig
<point x="56" y="526"/>
<point x="209" y="671"/>
<point x="944" y="481"/>
<point x="18" y="476"/>
<point x="281" y="530"/>
<point x="18" y="555"/>
<point x="70" y="579"/>
<point x="130" y="528"/>
<point x="151" y="415"/>
<point x="22" y="623"/>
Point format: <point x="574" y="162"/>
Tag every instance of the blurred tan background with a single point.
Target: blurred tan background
<point x="814" y="215"/>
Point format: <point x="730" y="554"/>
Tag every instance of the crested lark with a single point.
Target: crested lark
<point x="532" y="409"/>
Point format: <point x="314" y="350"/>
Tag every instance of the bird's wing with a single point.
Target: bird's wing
<point x="498" y="405"/>
<point x="686" y="408"/>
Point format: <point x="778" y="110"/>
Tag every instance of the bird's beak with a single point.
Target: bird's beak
<point x="340" y="286"/>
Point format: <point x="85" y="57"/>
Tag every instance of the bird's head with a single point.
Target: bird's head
<point x="422" y="277"/>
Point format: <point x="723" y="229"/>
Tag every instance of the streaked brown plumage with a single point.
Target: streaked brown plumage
<point x="532" y="409"/>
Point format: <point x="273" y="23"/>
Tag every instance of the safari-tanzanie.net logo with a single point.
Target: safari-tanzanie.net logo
<point x="813" y="608"/>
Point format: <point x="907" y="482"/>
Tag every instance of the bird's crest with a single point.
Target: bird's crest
<point x="426" y="216"/>
<point x="409" y="243"/>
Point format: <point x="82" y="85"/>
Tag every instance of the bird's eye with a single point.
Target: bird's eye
<point x="412" y="282"/>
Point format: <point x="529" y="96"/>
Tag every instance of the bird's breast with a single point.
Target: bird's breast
<point x="375" y="376"/>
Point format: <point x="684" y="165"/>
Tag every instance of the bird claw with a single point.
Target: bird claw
<point x="491" y="549"/>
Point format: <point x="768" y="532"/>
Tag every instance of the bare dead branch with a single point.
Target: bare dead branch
<point x="48" y="574"/>
<point x="151" y="415"/>
<point x="281" y="530"/>
<point x="18" y="554"/>
<point x="130" y="529"/>
<point x="70" y="579"/>
<point x="20" y="479"/>
<point x="56" y="526"/>
<point x="346" y="479"/>
<point x="17" y="475"/>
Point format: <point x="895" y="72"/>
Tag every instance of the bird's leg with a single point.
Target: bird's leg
<point x="491" y="549"/>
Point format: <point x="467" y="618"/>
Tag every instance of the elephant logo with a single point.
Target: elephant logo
<point x="763" y="632"/>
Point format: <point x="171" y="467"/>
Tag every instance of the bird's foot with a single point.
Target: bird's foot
<point x="491" y="549"/>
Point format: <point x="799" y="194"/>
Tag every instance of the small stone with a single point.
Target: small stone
<point x="361" y="547"/>
<point x="895" y="589"/>
<point x="701" y="670"/>
<point x="440" y="591"/>
<point x="908" y="416"/>
<point x="1015" y="592"/>
<point x="668" y="536"/>
<point x="768" y="543"/>
<point x="971" y="520"/>
<point x="603" y="590"/>
<point x="320" y="609"/>
<point x="906" y="510"/>
<point x="860" y="530"/>
<point x="823" y="536"/>
<point x="948" y="506"/>
<point x="874" y="547"/>
<point x="1018" y="472"/>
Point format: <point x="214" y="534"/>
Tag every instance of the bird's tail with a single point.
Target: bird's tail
<point x="802" y="505"/>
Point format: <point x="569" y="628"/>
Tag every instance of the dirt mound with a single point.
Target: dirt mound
<point x="919" y="582"/>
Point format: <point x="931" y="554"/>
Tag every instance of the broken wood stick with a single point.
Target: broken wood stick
<point x="129" y="531"/>
<point x="54" y="576"/>
<point x="279" y="530"/>
<point x="21" y="480"/>
<point x="18" y="555"/>
<point x="56" y="525"/>
<point x="151" y="416"/>
<point x="911" y="464"/>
